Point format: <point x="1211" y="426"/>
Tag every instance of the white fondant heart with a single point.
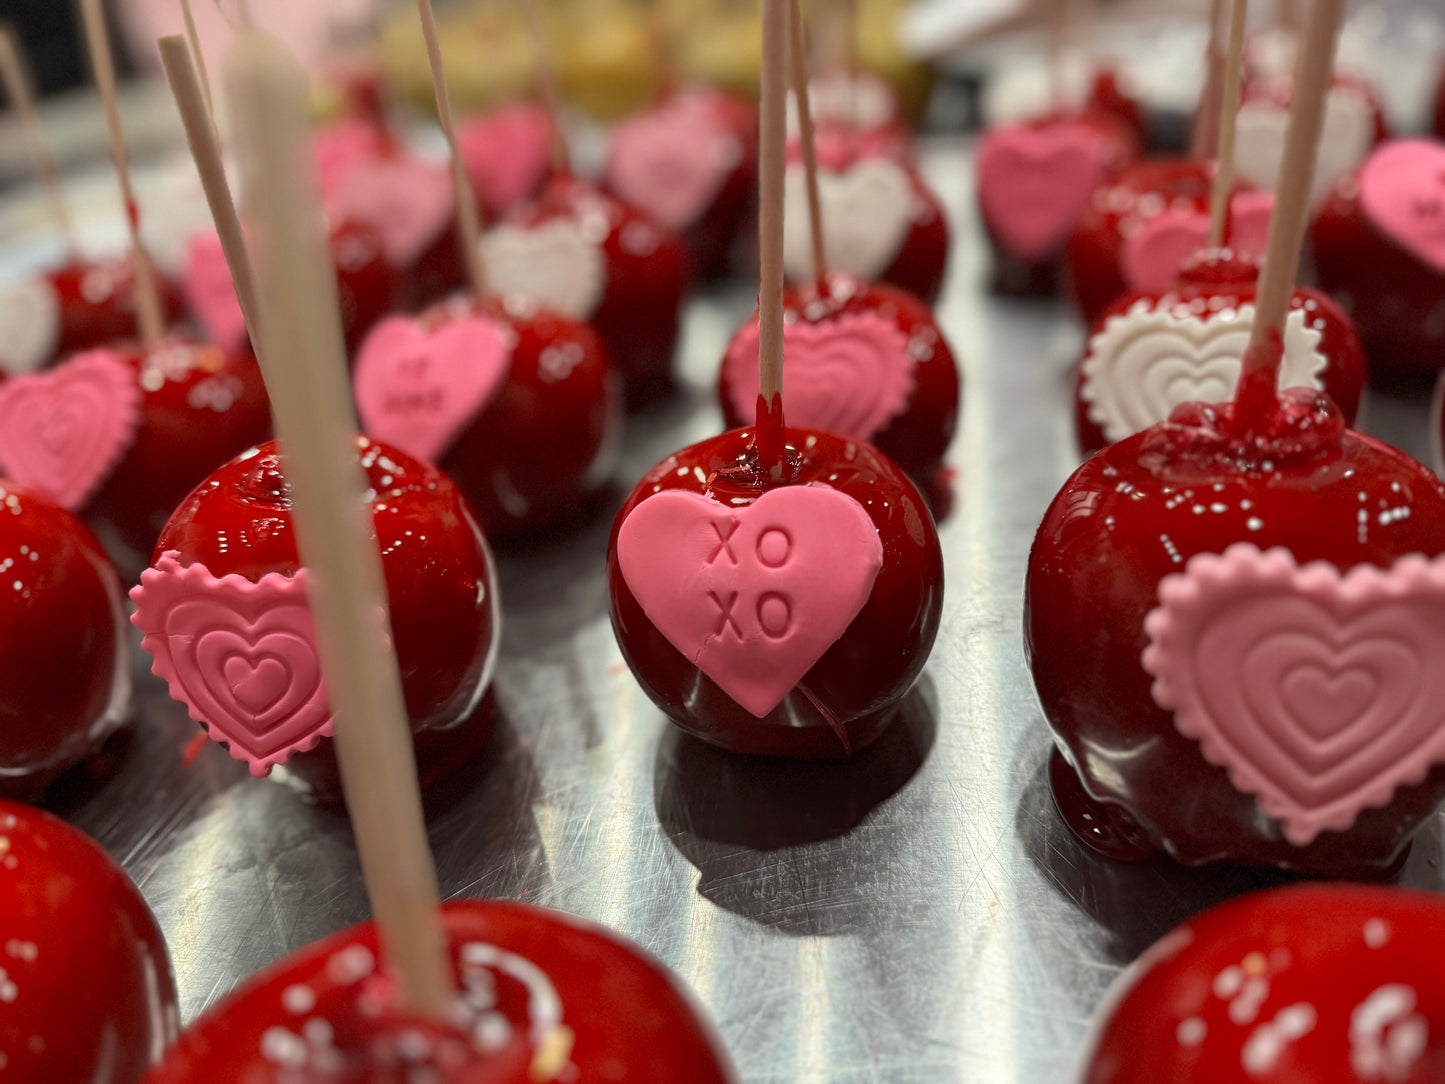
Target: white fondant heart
<point x="867" y="213"/>
<point x="29" y="324"/>
<point x="552" y="263"/>
<point x="1347" y="135"/>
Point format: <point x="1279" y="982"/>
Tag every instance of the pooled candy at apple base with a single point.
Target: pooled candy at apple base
<point x="226" y="620"/>
<point x="1236" y="636"/>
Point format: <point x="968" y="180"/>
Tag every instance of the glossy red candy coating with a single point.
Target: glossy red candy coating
<point x="569" y="1001"/>
<point x="1439" y="126"/>
<point x="440" y="584"/>
<point x="1108" y="97"/>
<point x="1219" y="281"/>
<point x="64" y="646"/>
<point x="97" y="302"/>
<point x="1094" y="573"/>
<point x="918" y="437"/>
<point x="366" y="285"/>
<point x="647" y="278"/>
<point x="87" y="988"/>
<point x="861" y="679"/>
<point x="1331" y="984"/>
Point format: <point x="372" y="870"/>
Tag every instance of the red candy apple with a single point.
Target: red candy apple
<point x="776" y="614"/>
<point x="520" y="407"/>
<point x="590" y="257"/>
<point x="224" y="611"/>
<point x="65" y="680"/>
<point x="1232" y="633"/>
<point x="544" y="997"/>
<point x="1155" y="350"/>
<point x="1107" y="96"/>
<point x="506" y="154"/>
<point x="84" y="978"/>
<point x="1332" y="984"/>
<point x="867" y="361"/>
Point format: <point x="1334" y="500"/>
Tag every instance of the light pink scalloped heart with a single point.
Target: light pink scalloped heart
<point x="210" y="292"/>
<point x="852" y="376"/>
<point x="418" y="390"/>
<point x="63" y="431"/>
<point x="342" y="144"/>
<point x="672" y="161"/>
<point x="1402" y="191"/>
<point x="506" y="154"/>
<point x="1034" y="183"/>
<point x="755" y="595"/>
<point x="1319" y="693"/>
<point x="1152" y="255"/>
<point x="408" y="201"/>
<point x="240" y="655"/>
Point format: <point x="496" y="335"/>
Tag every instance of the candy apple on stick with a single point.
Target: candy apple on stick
<point x="1234" y="617"/>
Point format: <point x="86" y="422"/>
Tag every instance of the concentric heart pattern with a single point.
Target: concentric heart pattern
<point x="673" y="161"/>
<point x="755" y="595"/>
<point x="240" y="655"/>
<point x="1143" y="363"/>
<point x="1035" y="183"/>
<point x="867" y="213"/>
<point x="553" y="263"/>
<point x="851" y="376"/>
<point x="409" y="202"/>
<point x="1153" y="253"/>
<point x="1402" y="191"/>
<point x="63" y="431"/>
<point x="1319" y="693"/>
<point x="29" y="324"/>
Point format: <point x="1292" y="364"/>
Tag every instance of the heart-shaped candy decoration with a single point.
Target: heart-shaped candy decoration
<point x="339" y="146"/>
<point x="505" y="154"/>
<point x="867" y="213"/>
<point x="211" y="293"/>
<point x="1319" y="693"/>
<point x="673" y="161"/>
<point x="755" y="595"/>
<point x="419" y="390"/>
<point x="1347" y="135"/>
<point x="1034" y="183"/>
<point x="553" y="263"/>
<point x="851" y="376"/>
<point x="1142" y="363"/>
<point x="1402" y="191"/>
<point x="1152" y="255"/>
<point x="240" y="655"/>
<point x="409" y="202"/>
<point x="29" y="324"/>
<point x="64" y="430"/>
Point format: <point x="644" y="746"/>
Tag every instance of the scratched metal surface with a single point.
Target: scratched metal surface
<point x="918" y="914"/>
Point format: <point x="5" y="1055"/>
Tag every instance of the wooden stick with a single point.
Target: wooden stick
<point x="469" y="229"/>
<point x="773" y="136"/>
<point x="186" y="88"/>
<point x="194" y="39"/>
<point x="1228" y="111"/>
<point x="547" y="84"/>
<point x="150" y="320"/>
<point x="305" y="369"/>
<point x="20" y="89"/>
<point x="1205" y="137"/>
<point x="664" y="49"/>
<point x="798" y="69"/>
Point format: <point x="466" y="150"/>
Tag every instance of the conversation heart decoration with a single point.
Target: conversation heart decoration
<point x="1402" y="192"/>
<point x="418" y="389"/>
<point x="241" y="656"/>
<point x="1153" y="253"/>
<point x="1143" y="363"/>
<point x="1034" y="183"/>
<point x="754" y="595"/>
<point x="64" y="430"/>
<point x="505" y="154"/>
<point x="851" y="376"/>
<point x="673" y="161"/>
<point x="210" y="292"/>
<point x="552" y="263"/>
<point x="1346" y="137"/>
<point x="29" y="324"/>
<point x="409" y="202"/>
<point x="1319" y="693"/>
<point x="867" y="214"/>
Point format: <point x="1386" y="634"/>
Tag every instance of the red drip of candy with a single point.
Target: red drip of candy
<point x="770" y="439"/>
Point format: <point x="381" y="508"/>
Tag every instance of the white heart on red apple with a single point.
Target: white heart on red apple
<point x="29" y="324"/>
<point x="1402" y="191"/>
<point x="1347" y="135"/>
<point x="553" y="263"/>
<point x="867" y="215"/>
<point x="409" y="202"/>
<point x="672" y="161"/>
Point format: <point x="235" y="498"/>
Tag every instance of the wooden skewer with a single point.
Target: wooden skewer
<point x="772" y="138"/>
<point x="20" y="89"/>
<point x="1205" y="137"/>
<point x="664" y="50"/>
<point x="469" y="229"/>
<point x="194" y="39"/>
<point x="305" y="369"/>
<point x="150" y="321"/>
<point x="1228" y="112"/>
<point x="547" y="84"/>
<point x="798" y="69"/>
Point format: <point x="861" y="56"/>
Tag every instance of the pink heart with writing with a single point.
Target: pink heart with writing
<point x="1402" y="191"/>
<point x="505" y="154"/>
<point x="419" y="389"/>
<point x="673" y="161"/>
<point x="852" y="376"/>
<point x="1319" y="693"/>
<point x="1152" y="255"/>
<point x="409" y="202"/>
<point x="755" y="595"/>
<point x="1034" y="183"/>
<point x="210" y="292"/>
<point x="240" y="655"/>
<point x="63" y="431"/>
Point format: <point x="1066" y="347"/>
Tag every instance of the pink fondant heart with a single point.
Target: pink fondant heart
<point x="1402" y="191"/>
<point x="63" y="431"/>
<point x="240" y="655"/>
<point x="408" y="201"/>
<point x="505" y="154"/>
<point x="1319" y="693"/>
<point x="1152" y="255"/>
<point x="673" y="161"/>
<point x="210" y="293"/>
<point x="1034" y="183"/>
<point x="852" y="376"/>
<point x="343" y="144"/>
<point x="754" y="595"/>
<point x="419" y="390"/>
